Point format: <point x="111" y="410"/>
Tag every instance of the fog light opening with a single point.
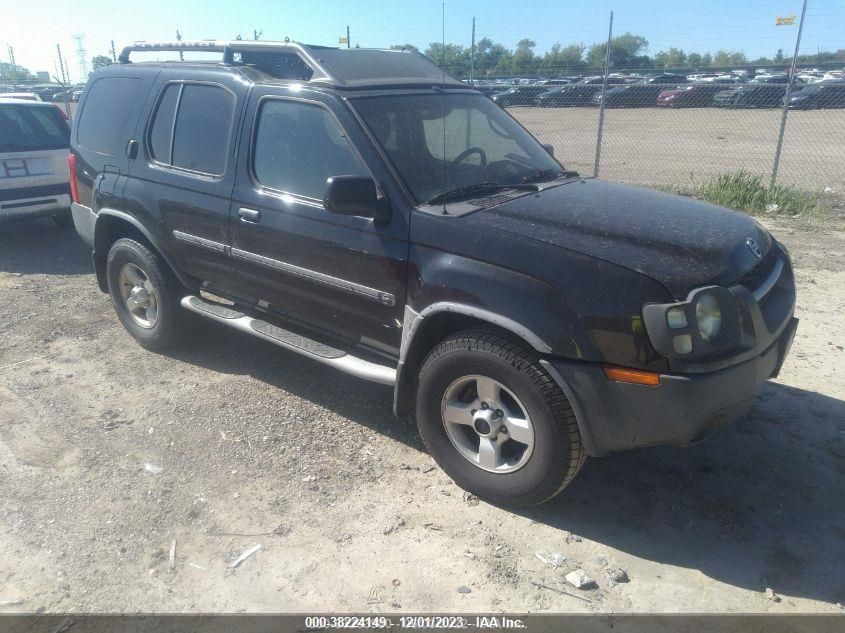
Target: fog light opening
<point x="682" y="344"/>
<point x="677" y="318"/>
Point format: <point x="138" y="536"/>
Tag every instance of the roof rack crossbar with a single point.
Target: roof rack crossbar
<point x="207" y="46"/>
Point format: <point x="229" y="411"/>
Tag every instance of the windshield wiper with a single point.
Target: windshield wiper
<point x="548" y="175"/>
<point x="481" y="187"/>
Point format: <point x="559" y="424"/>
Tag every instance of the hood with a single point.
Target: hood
<point x="679" y="242"/>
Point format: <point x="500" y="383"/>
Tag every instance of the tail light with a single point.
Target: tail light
<point x="74" y="184"/>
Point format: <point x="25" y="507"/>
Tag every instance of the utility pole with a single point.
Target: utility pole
<point x="12" y="62"/>
<point x="472" y="54"/>
<point x="113" y="53"/>
<point x="81" y="55"/>
<point x="62" y="67"/>
<point x="348" y="42"/>
<point x="179" y="39"/>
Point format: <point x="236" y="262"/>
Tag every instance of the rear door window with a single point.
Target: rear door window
<point x="102" y="124"/>
<point x="30" y="129"/>
<point x="198" y="138"/>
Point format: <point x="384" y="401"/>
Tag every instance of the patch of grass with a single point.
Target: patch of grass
<point x="747" y="192"/>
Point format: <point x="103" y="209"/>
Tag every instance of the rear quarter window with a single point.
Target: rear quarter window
<point x="102" y="124"/>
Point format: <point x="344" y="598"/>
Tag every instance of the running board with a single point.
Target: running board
<point x="321" y="352"/>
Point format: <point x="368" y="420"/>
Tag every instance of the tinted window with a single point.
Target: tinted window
<point x="102" y="124"/>
<point x="203" y="128"/>
<point x="162" y="127"/>
<point x="27" y="129"/>
<point x="298" y="146"/>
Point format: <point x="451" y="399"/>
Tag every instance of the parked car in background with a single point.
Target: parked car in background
<point x="701" y="76"/>
<point x="698" y="95"/>
<point x="488" y="90"/>
<point x="21" y="96"/>
<point x="34" y="144"/>
<point x="629" y="96"/>
<point x="823" y="94"/>
<point x="773" y="79"/>
<point x="567" y="96"/>
<point x="751" y="95"/>
<point x="519" y="95"/>
<point x="62" y="96"/>
<point x="599" y="80"/>
<point x="665" y="78"/>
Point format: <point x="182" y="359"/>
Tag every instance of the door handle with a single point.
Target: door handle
<point x="249" y="215"/>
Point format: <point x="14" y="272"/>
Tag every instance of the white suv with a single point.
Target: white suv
<point x="34" y="144"/>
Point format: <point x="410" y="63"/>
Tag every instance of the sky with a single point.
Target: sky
<point x="34" y="27"/>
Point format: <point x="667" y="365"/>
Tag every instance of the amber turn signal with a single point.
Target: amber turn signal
<point x="636" y="376"/>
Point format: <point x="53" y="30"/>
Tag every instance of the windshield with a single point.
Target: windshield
<point x="442" y="142"/>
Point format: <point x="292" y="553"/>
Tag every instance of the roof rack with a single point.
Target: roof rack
<point x="338" y="67"/>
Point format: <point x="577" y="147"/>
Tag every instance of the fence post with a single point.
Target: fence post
<point x="603" y="91"/>
<point x="786" y="98"/>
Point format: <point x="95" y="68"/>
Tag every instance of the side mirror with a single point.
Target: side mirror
<point x="549" y="148"/>
<point x="352" y="195"/>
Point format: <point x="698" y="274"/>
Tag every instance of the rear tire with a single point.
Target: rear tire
<point x="467" y="364"/>
<point x="146" y="295"/>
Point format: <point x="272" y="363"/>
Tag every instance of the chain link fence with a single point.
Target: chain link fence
<point x="679" y="126"/>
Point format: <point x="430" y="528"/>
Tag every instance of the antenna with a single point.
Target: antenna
<point x="81" y="55"/>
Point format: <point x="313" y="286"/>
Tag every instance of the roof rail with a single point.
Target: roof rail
<point x="339" y="67"/>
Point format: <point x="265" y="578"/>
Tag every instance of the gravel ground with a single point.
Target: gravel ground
<point x="110" y="453"/>
<point x="661" y="146"/>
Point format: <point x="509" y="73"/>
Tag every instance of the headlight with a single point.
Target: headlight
<point x="709" y="324"/>
<point x="708" y="316"/>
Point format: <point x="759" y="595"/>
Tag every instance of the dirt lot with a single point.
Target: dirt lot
<point x="259" y="446"/>
<point x="657" y="146"/>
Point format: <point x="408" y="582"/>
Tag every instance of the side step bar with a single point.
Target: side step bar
<point x="321" y="352"/>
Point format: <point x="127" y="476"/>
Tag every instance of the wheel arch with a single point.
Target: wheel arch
<point x="111" y="225"/>
<point x="423" y="330"/>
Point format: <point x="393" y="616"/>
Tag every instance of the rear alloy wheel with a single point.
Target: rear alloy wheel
<point x="145" y="295"/>
<point x="495" y="420"/>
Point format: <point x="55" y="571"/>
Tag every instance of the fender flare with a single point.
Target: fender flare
<point x="136" y="223"/>
<point x="411" y="326"/>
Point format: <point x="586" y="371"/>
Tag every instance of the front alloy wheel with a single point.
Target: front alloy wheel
<point x="487" y="424"/>
<point x="495" y="421"/>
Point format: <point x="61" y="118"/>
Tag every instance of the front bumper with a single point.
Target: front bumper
<point x="615" y="416"/>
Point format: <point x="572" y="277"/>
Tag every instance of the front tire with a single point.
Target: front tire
<point x="495" y="421"/>
<point x="145" y="295"/>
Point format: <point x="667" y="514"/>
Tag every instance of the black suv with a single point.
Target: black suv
<point x="367" y="210"/>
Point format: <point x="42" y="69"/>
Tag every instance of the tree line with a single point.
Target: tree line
<point x="628" y="52"/>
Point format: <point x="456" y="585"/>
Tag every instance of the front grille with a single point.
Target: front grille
<point x="776" y="306"/>
<point x="755" y="277"/>
<point x="773" y="285"/>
